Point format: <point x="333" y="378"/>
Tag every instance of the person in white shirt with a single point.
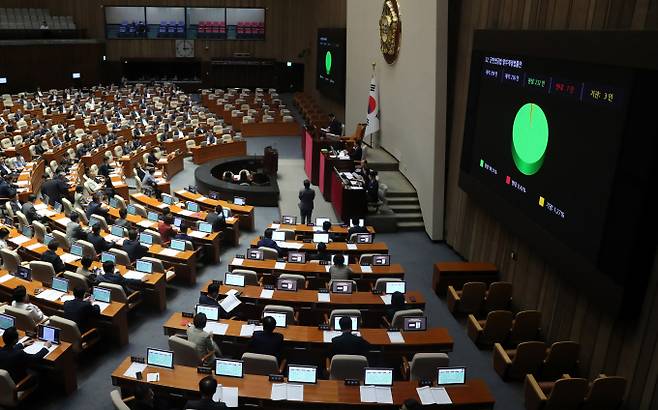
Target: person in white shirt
<point x="4" y="233"/>
<point x="21" y="301"/>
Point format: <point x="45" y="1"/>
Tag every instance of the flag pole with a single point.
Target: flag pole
<point x="373" y="73"/>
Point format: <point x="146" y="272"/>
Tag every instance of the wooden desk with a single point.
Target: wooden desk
<point x="114" y="316"/>
<point x="172" y="164"/>
<point x="202" y="155"/>
<point x="340" y="247"/>
<point x="458" y="273"/>
<point x="184" y="380"/>
<point x="327" y="164"/>
<point x="301" y="229"/>
<point x="30" y="179"/>
<point x="311" y="147"/>
<point x="155" y="205"/>
<point x="245" y="212"/>
<point x="347" y="202"/>
<point x="431" y="340"/>
<point x="61" y="360"/>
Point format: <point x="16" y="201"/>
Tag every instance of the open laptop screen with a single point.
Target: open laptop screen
<point x="396" y="286"/>
<point x="211" y="312"/>
<point x="48" y="333"/>
<point x="451" y="375"/>
<point x="160" y="358"/>
<point x="280" y="318"/>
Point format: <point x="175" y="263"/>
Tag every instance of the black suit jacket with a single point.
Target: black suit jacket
<point x="100" y="244"/>
<point x="356" y="229"/>
<point x="347" y="343"/>
<point x="134" y="249"/>
<point x="207" y="300"/>
<point x="15" y="361"/>
<point x="81" y="312"/>
<point x="204" y="404"/>
<point x="54" y="259"/>
<point x="6" y="190"/>
<point x="218" y="222"/>
<point x="104" y="170"/>
<point x="266" y="343"/>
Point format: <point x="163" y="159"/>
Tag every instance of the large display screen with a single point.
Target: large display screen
<point x="330" y="68"/>
<point x="558" y="147"/>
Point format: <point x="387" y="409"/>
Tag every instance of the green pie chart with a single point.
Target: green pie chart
<point x="529" y="138"/>
<point x="327" y="62"/>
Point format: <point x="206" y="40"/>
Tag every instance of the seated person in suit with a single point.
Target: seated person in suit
<point x="6" y="190"/>
<point x="80" y="310"/>
<point x="207" y="387"/>
<point x="267" y="241"/>
<point x="111" y="276"/>
<point x="105" y="169"/>
<point x="266" y="341"/>
<point x="216" y="218"/>
<point x="122" y="221"/>
<point x="167" y="229"/>
<point x="202" y="340"/>
<point x="85" y="269"/>
<point x="356" y="228"/>
<point x="321" y="254"/>
<point x="210" y="298"/>
<point x="29" y="210"/>
<point x="145" y="399"/>
<point x="96" y="207"/>
<point x="339" y="270"/>
<point x="334" y="127"/>
<point x="133" y="248"/>
<point x="94" y="237"/>
<point x="14" y="360"/>
<point x="74" y="231"/>
<point x="52" y="257"/>
<point x="4" y="233"/>
<point x="20" y="300"/>
<point x="397" y="304"/>
<point x="348" y="343"/>
<point x="210" y="138"/>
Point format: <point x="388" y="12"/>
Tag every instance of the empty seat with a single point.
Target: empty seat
<point x="605" y="393"/>
<point x="423" y="365"/>
<point x="525" y="327"/>
<point x="269" y="253"/>
<point x="262" y="364"/>
<point x="498" y="296"/>
<point x="468" y="300"/>
<point x="347" y="366"/>
<point x="494" y="329"/>
<point x="562" y="358"/>
<point x="42" y="271"/>
<point x="514" y="364"/>
<point x="564" y="394"/>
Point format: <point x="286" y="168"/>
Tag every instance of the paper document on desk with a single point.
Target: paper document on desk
<point x="433" y="395"/>
<point x="132" y="274"/>
<point x="5" y="278"/>
<point x="295" y="392"/>
<point x="63" y="221"/>
<point x="327" y="268"/>
<point x="278" y="392"/>
<point x="386" y="299"/>
<point x="36" y="347"/>
<point x="197" y="234"/>
<point x="237" y="262"/>
<point x="68" y="257"/>
<point x="201" y="198"/>
<point x="289" y="245"/>
<point x="280" y="265"/>
<point x="186" y="212"/>
<point x="384" y="395"/>
<point x="216" y="328"/>
<point x="40" y="206"/>
<point x="395" y="337"/>
<point x="101" y="305"/>
<point x="226" y="395"/>
<point x="34" y="246"/>
<point x="152" y="377"/>
<point x="232" y="292"/>
<point x="229" y="303"/>
<point x="266" y="293"/>
<point x="50" y="294"/>
<point x="318" y="229"/>
<point x="145" y="223"/>
<point x="46" y="212"/>
<point x="366" y="269"/>
<point x="368" y="394"/>
<point x="66" y="298"/>
<point x="352" y="246"/>
<point x="324" y="297"/>
<point x="168" y="252"/>
<point x="162" y="205"/>
<point x="275" y="226"/>
<point x="248" y="330"/>
<point x="328" y="335"/>
<point x="133" y="369"/>
<point x="19" y="240"/>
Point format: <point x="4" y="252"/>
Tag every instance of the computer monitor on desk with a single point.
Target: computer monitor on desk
<point x="451" y="375"/>
<point x="280" y="318"/>
<point x="321" y="237"/>
<point x="238" y="200"/>
<point x="160" y="358"/>
<point x="211" y="312"/>
<point x="102" y="294"/>
<point x="144" y="266"/>
<point x="228" y="367"/>
<point x="378" y="376"/>
<point x="279" y="236"/>
<point x="395" y="286"/>
<point x="321" y="220"/>
<point x="302" y="374"/>
<point x="232" y="279"/>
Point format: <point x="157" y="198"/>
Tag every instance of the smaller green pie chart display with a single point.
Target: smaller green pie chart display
<point x="529" y="138"/>
<point x="327" y="62"/>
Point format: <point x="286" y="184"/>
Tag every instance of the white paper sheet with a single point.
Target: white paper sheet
<point x="226" y="395"/>
<point x="40" y="206"/>
<point x="384" y="395"/>
<point x="145" y="223"/>
<point x="229" y="303"/>
<point x="133" y="369"/>
<point x="132" y="274"/>
<point x="366" y="269"/>
<point x="290" y="245"/>
<point x="19" y="240"/>
<point x="50" y="294"/>
<point x="197" y="234"/>
<point x="324" y="297"/>
<point x="237" y="262"/>
<point x="232" y="292"/>
<point x="279" y="391"/>
<point x="216" y="328"/>
<point x="5" y="278"/>
<point x="352" y="246"/>
<point x="46" y="212"/>
<point x="34" y="246"/>
<point x="168" y="252"/>
<point x="152" y="377"/>
<point x="295" y="392"/>
<point x="266" y="293"/>
<point x="317" y="229"/>
<point x="327" y="267"/>
<point x="275" y="226"/>
<point x="328" y="335"/>
<point x="35" y="347"/>
<point x="68" y="257"/>
<point x="395" y="337"/>
<point x="64" y="221"/>
<point x="433" y="395"/>
<point x="186" y="212"/>
<point x="101" y="305"/>
<point x="247" y="330"/>
<point x="280" y="265"/>
<point x="66" y="298"/>
<point x="386" y="299"/>
<point x="368" y="394"/>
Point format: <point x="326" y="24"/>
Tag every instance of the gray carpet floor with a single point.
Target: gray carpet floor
<point x="413" y="250"/>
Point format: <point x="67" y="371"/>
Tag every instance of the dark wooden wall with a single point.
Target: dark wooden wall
<point x="291" y="28"/>
<point x="611" y="345"/>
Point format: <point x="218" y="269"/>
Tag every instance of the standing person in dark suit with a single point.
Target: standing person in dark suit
<point x="80" y="310"/>
<point x="105" y="169"/>
<point x="133" y="248"/>
<point x="56" y="188"/>
<point x="207" y="387"/>
<point x="14" y="360"/>
<point x="53" y="258"/>
<point x="306" y="197"/>
<point x="357" y="152"/>
<point x="348" y="343"/>
<point x="266" y="341"/>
